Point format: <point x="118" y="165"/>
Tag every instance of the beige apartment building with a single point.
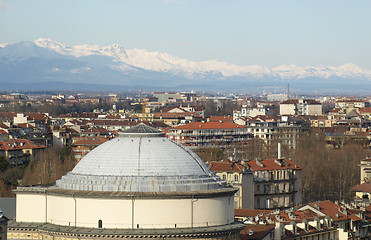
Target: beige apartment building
<point x="275" y="182"/>
<point x="300" y="107"/>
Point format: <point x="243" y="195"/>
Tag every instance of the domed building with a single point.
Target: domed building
<point x="139" y="185"/>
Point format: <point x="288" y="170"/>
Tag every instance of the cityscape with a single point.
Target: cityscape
<point x="184" y="119"/>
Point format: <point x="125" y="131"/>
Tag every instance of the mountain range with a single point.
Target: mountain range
<point x="49" y="64"/>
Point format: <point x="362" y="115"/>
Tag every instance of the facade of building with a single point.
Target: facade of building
<point x="351" y="103"/>
<point x="204" y="134"/>
<point x="276" y="182"/>
<point x="363" y="190"/>
<point x="19" y="151"/>
<point x="82" y="146"/>
<point x="300" y="107"/>
<point x="238" y="176"/>
<point x="272" y="130"/>
<point x="175" y="118"/>
<point x="139" y="185"/>
<point x="247" y="111"/>
<point x="365" y="165"/>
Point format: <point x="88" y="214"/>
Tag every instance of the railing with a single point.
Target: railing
<point x="276" y="193"/>
<point x="208" y="133"/>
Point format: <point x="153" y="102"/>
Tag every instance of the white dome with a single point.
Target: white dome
<point x="141" y="160"/>
<point x="143" y="156"/>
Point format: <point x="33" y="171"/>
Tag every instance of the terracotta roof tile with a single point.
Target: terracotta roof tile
<point x="221" y="118"/>
<point x="364" y="187"/>
<point x="255" y="232"/>
<point x="225" y="166"/>
<point x="92" y="141"/>
<point x="17" y="144"/>
<point x="271" y="164"/>
<point x="250" y="212"/>
<point x="209" y="125"/>
<point x="334" y="211"/>
<point x="166" y="115"/>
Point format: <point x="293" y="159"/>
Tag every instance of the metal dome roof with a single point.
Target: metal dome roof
<point x="141" y="159"/>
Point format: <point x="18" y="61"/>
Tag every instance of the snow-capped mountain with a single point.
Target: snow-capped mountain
<point x="46" y="60"/>
<point x="164" y="62"/>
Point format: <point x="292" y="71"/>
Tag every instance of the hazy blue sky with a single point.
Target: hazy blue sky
<point x="271" y="33"/>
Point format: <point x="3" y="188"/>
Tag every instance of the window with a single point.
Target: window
<point x="236" y="178"/>
<point x="224" y="177"/>
<point x="100" y="224"/>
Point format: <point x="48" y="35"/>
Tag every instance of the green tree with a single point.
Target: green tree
<point x="4" y="164"/>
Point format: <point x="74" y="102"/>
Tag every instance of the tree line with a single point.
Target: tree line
<point x="45" y="168"/>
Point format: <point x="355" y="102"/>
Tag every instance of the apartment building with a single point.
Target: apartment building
<point x="19" y="151"/>
<point x="238" y="175"/>
<point x="285" y="130"/>
<point x="300" y="107"/>
<point x="351" y="103"/>
<point x="203" y="134"/>
<point x="276" y="182"/>
<point x="247" y="111"/>
<point x="82" y="146"/>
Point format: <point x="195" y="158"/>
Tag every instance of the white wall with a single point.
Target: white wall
<point x="287" y="109"/>
<point x="118" y="213"/>
<point x="31" y="208"/>
<point x="315" y="109"/>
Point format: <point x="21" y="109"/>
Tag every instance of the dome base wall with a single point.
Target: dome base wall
<point x="150" y="211"/>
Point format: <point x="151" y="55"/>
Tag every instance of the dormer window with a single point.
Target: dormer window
<point x="236" y="178"/>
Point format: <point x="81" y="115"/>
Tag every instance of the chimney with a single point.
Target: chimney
<point x="279" y="151"/>
<point x="318" y="223"/>
<point x="294" y="228"/>
<point x="278" y="231"/>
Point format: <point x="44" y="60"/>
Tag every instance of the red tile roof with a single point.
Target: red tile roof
<point x="365" y="110"/>
<point x="267" y="164"/>
<point x="334" y="211"/>
<point x="226" y="167"/>
<point x="166" y="115"/>
<point x="3" y="132"/>
<point x="25" y="125"/>
<point x="79" y="115"/>
<point x="272" y="164"/>
<point x="250" y="212"/>
<point x="91" y="141"/>
<point x="209" y="125"/>
<point x="255" y="232"/>
<point x="368" y="213"/>
<point x="37" y="116"/>
<point x="364" y="187"/>
<point x="18" y="144"/>
<point x="221" y="118"/>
